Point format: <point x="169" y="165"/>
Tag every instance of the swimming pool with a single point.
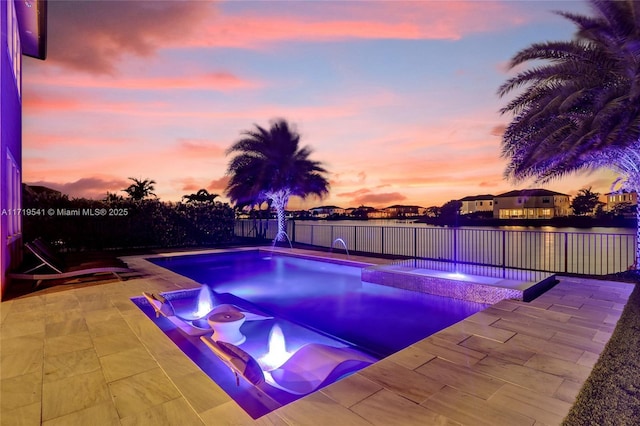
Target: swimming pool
<point x="316" y="301"/>
<point x="327" y="297"/>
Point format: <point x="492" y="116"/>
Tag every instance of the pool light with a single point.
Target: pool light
<point x="457" y="275"/>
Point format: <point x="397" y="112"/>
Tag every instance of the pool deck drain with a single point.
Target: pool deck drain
<point x="513" y="363"/>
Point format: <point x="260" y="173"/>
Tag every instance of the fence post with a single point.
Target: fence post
<point x="355" y="238"/>
<point x="331" y="238"/>
<point x="504" y="248"/>
<point x="382" y="240"/>
<point x="504" y="253"/>
<point x="455" y="245"/>
<point x="566" y="252"/>
<point x="415" y="242"/>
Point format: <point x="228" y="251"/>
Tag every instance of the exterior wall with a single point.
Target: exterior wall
<point x="378" y="214"/>
<point x="322" y="212"/>
<point x="10" y="143"/>
<point x="531" y="207"/>
<point x="407" y="211"/>
<point x="623" y="197"/>
<point x="472" y="206"/>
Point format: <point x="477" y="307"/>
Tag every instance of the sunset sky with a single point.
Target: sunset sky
<point x="397" y="99"/>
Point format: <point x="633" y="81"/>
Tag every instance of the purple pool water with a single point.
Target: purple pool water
<point x="329" y="298"/>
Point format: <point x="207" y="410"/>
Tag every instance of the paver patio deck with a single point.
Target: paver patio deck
<point x="85" y="354"/>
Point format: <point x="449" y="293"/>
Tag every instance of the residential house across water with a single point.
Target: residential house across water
<point x="477" y="203"/>
<point x="616" y="199"/>
<point x="531" y="204"/>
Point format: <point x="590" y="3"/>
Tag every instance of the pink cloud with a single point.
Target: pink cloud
<point x="142" y="28"/>
<point x="36" y="102"/>
<point x="379" y="199"/>
<point x="498" y="130"/>
<point x="90" y="187"/>
<point x="218" y="81"/>
<point x="200" y="148"/>
<point x="94" y="36"/>
<point x="378" y="20"/>
<point x="218" y="185"/>
<point x="357" y="193"/>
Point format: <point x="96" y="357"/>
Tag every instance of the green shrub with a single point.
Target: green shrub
<point x="82" y="224"/>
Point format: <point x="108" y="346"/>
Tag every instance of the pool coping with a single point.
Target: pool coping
<point x="513" y="363"/>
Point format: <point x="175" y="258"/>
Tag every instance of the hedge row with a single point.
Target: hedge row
<point x="82" y="224"/>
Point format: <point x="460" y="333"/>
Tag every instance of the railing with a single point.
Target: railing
<point x="549" y="251"/>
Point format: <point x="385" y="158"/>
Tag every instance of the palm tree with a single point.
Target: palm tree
<point x="269" y="165"/>
<point x="112" y="198"/>
<point x="140" y="189"/>
<point x="585" y="202"/>
<point x="580" y="108"/>
<point x="202" y="196"/>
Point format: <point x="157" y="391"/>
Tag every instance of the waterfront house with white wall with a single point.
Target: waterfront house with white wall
<point x="326" y="211"/>
<point x="615" y="199"/>
<point x="399" y="210"/>
<point x="477" y="203"/>
<point x="531" y="204"/>
<point x="22" y="32"/>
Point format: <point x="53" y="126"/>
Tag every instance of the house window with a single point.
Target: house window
<point x="14" y="225"/>
<point x="13" y="44"/>
<point x="546" y="200"/>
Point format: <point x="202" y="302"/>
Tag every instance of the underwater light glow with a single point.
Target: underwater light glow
<point x="277" y="354"/>
<point x="457" y="275"/>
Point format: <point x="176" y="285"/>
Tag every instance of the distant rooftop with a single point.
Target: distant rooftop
<point x="478" y="197"/>
<point x="529" y="193"/>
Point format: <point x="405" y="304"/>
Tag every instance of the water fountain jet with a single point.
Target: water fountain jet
<point x="339" y="240"/>
<point x="275" y="240"/>
<point x="277" y="353"/>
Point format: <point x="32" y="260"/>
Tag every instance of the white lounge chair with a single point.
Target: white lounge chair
<point x="58" y="270"/>
<point x="311" y="367"/>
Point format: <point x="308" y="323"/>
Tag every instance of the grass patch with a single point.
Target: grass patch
<point x="611" y="394"/>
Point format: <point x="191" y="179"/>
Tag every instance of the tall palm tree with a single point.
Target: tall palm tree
<point x="580" y="108"/>
<point x="270" y="165"/>
<point x="140" y="189"/>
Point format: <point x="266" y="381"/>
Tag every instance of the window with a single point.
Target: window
<point x="14" y="225"/>
<point x="546" y="201"/>
<point x="13" y="44"/>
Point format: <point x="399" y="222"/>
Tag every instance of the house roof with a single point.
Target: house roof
<point x="623" y="191"/>
<point x="32" y="20"/>
<point x="400" y="206"/>
<point x="478" y="197"/>
<point x="529" y="193"/>
<point x="326" y="208"/>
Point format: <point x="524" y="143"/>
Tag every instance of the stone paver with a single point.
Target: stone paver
<point x="79" y="352"/>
